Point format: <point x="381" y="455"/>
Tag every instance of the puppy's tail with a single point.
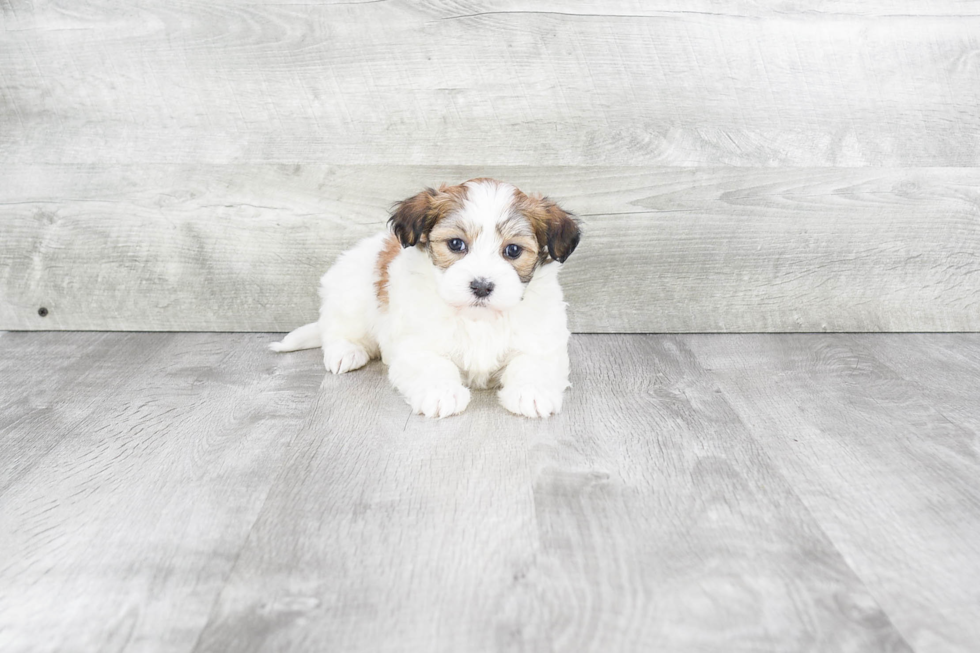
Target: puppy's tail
<point x="305" y="337"/>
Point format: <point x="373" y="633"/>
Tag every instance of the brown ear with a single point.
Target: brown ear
<point x="557" y="230"/>
<point x="413" y="218"/>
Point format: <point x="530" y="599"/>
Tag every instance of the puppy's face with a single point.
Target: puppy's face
<point x="485" y="239"/>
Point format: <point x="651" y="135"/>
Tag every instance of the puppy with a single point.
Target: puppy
<point x="461" y="292"/>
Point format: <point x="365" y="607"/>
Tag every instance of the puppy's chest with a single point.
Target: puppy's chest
<point x="481" y="349"/>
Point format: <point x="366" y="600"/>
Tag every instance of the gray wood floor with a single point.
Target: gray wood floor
<point x="193" y="492"/>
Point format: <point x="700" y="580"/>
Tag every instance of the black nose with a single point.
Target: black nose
<point x="481" y="287"/>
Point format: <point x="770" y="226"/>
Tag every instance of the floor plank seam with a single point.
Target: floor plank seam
<point x="259" y="515"/>
<point x="778" y="469"/>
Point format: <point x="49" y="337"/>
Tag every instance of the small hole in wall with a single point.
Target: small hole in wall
<point x="43" y="312"/>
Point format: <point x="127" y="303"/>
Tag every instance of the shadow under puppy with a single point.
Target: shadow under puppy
<point x="463" y="291"/>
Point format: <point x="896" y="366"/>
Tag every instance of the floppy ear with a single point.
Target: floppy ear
<point x="556" y="229"/>
<point x="563" y="235"/>
<point x="412" y="219"/>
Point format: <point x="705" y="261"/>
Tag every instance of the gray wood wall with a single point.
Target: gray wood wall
<point x="741" y="166"/>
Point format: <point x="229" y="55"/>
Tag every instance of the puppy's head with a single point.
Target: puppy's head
<point x="485" y="239"/>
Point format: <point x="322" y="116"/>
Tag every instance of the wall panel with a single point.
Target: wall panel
<point x="739" y="166"/>
<point x="241" y="247"/>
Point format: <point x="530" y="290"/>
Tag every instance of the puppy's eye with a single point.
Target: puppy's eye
<point x="456" y="245"/>
<point x="513" y="251"/>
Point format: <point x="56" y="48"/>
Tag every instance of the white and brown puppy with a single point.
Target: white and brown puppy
<point x="463" y="291"/>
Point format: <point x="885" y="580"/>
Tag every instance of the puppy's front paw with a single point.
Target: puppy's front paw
<point x="343" y="356"/>
<point x="530" y="400"/>
<point x="441" y="401"/>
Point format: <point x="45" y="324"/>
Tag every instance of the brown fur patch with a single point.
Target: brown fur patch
<point x="445" y="229"/>
<point x="517" y="230"/>
<point x="555" y="229"/>
<point x="449" y="200"/>
<point x="413" y="218"/>
<point x="388" y="253"/>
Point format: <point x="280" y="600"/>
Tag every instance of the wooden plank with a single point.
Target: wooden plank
<point x="891" y="478"/>
<point x="241" y="247"/>
<point x="530" y="82"/>
<point x="120" y="538"/>
<point x="385" y="531"/>
<point x="645" y="517"/>
<point x="941" y="367"/>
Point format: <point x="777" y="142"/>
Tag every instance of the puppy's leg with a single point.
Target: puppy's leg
<point x="430" y="383"/>
<point x="349" y="309"/>
<point x="345" y="332"/>
<point x="347" y="342"/>
<point x="342" y="356"/>
<point x="339" y="354"/>
<point x="533" y="385"/>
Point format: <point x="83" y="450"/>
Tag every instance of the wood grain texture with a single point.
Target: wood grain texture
<point x="886" y="457"/>
<point x="241" y="247"/>
<point x="798" y="166"/>
<point x="710" y="493"/>
<point x="941" y="368"/>
<point x="49" y="386"/>
<point x="530" y="82"/>
<point x="160" y="450"/>
<point x="645" y="517"/>
<point x="385" y="531"/>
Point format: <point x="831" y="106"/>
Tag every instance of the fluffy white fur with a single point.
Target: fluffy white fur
<point x="437" y="338"/>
